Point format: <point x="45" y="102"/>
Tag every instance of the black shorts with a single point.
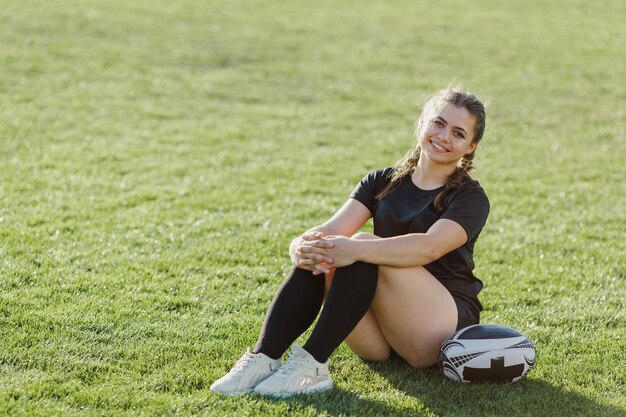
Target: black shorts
<point x="467" y="315"/>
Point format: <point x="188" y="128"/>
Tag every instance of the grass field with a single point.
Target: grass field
<point x="157" y="157"/>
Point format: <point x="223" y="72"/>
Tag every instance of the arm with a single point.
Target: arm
<point x="345" y="222"/>
<point x="400" y="251"/>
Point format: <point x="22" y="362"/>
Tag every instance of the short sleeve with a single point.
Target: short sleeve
<point x="469" y="207"/>
<point x="370" y="186"/>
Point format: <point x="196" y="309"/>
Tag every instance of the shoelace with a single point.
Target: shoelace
<point x="291" y="364"/>
<point x="243" y="362"/>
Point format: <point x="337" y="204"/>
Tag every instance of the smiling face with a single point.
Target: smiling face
<point x="447" y="133"/>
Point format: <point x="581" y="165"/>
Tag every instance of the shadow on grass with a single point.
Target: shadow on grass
<point x="432" y="394"/>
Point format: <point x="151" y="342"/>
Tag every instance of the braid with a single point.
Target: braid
<point x="466" y="162"/>
<point x="458" y="177"/>
<point x="404" y="169"/>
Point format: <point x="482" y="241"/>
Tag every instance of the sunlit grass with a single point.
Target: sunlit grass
<point x="157" y="157"/>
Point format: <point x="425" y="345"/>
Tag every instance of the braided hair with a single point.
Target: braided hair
<point x="406" y="166"/>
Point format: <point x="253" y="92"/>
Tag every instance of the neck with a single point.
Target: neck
<point x="428" y="175"/>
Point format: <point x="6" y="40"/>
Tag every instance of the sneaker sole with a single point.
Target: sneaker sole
<point x="243" y="391"/>
<point x="318" y="388"/>
<point x="235" y="393"/>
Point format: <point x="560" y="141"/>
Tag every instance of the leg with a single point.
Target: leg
<point x="293" y="310"/>
<point x="415" y="313"/>
<point x="349" y="298"/>
<point x="366" y="339"/>
<point x="306" y="369"/>
<point x="411" y="312"/>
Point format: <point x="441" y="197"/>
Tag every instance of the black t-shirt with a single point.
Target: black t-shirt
<point x="409" y="209"/>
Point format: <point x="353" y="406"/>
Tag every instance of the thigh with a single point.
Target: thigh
<point x="415" y="313"/>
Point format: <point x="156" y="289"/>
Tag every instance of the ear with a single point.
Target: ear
<point x="472" y="148"/>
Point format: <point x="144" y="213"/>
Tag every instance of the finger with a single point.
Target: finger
<point x="317" y="257"/>
<point x="323" y="259"/>
<point x="304" y="250"/>
<point x="308" y="262"/>
<point x="310" y="249"/>
<point x="300" y="265"/>
<point x="313" y="265"/>
<point x="329" y="268"/>
<point x="319" y="244"/>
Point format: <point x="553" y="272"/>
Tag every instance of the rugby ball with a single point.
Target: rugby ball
<point x="486" y="353"/>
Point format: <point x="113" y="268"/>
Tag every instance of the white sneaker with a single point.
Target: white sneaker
<point x="300" y="374"/>
<point x="249" y="370"/>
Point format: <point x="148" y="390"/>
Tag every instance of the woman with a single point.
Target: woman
<point x="404" y="288"/>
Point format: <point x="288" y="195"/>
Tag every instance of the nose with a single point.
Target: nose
<point x="443" y="137"/>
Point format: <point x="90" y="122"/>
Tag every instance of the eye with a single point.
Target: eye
<point x="438" y="123"/>
<point x="459" y="134"/>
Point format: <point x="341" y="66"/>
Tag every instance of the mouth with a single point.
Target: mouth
<point x="438" y="147"/>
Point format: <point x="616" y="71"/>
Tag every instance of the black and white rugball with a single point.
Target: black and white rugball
<point x="486" y="353"/>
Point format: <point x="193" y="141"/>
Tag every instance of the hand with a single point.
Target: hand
<point x="309" y="252"/>
<point x="344" y="251"/>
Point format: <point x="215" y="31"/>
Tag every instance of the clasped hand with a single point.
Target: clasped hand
<point x="320" y="254"/>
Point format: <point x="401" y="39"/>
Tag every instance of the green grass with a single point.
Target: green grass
<point x="157" y="157"/>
